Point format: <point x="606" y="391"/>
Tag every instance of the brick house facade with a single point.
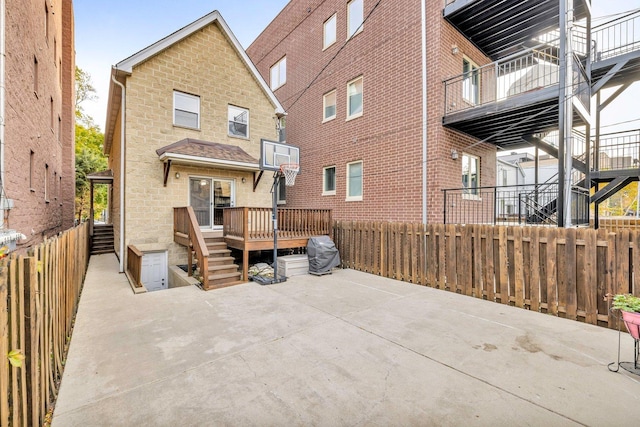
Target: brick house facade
<point x="38" y="178"/>
<point x="182" y="94"/>
<point x="388" y="136"/>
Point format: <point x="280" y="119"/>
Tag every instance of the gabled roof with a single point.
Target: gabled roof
<point x="125" y="67"/>
<point x="195" y="151"/>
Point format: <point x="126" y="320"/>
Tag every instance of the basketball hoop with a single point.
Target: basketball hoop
<point x="290" y="170"/>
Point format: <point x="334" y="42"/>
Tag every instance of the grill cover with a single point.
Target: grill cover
<point x="323" y="254"/>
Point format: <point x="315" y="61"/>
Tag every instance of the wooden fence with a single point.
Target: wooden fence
<point x="39" y="296"/>
<point x="564" y="272"/>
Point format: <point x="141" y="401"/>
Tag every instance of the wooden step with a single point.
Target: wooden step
<point x="213" y="246"/>
<point x="216" y="280"/>
<point x="221" y="260"/>
<point x="223" y="269"/>
<point x="219" y="253"/>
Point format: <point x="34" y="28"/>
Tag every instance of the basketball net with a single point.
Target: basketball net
<point x="289" y="170"/>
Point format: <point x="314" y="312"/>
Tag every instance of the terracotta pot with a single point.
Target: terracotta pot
<point x="632" y="322"/>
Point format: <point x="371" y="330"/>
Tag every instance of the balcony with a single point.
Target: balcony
<point x="500" y="28"/>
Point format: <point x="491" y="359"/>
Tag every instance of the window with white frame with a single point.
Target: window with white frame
<point x="470" y="82"/>
<point x="354" y="98"/>
<point x="329" y="32"/>
<point x="278" y="73"/>
<point x="354" y="181"/>
<point x="186" y="110"/>
<point x="329" y="106"/>
<point x="355" y="16"/>
<point x="238" y="122"/>
<point x="329" y="181"/>
<point x="471" y="174"/>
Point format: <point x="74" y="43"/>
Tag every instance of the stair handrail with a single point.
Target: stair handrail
<point x="196" y="242"/>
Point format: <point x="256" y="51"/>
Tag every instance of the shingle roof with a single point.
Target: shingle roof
<point x="207" y="150"/>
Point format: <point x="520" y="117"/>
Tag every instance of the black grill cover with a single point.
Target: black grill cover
<point x="323" y="254"/>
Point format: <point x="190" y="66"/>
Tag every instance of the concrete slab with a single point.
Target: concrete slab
<point x="342" y="349"/>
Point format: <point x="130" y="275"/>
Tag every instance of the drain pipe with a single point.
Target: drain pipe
<point x="2" y="107"/>
<point x="424" y="110"/>
<point x="122" y="128"/>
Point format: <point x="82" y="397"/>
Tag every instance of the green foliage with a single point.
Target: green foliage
<point x="84" y="92"/>
<point x="15" y="358"/>
<point x="626" y="302"/>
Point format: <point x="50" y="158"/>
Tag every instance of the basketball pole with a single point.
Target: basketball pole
<point x="274" y="216"/>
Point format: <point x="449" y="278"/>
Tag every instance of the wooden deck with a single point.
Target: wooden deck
<point x="251" y="229"/>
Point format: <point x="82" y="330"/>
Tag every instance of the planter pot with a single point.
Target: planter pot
<point x="632" y="322"/>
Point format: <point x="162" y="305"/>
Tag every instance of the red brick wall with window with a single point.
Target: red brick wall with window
<point x="29" y="115"/>
<point x="388" y="135"/>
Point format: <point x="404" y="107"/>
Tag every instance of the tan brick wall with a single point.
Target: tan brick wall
<point x="203" y="64"/>
<point x="388" y="137"/>
<point x="39" y="118"/>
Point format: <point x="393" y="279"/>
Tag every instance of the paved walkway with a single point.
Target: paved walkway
<point x="344" y="349"/>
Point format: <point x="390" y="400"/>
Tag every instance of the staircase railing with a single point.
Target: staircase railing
<point x="186" y="231"/>
<point x="617" y="37"/>
<point x="620" y="150"/>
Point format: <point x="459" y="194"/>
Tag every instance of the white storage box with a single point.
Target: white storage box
<point x="293" y="265"/>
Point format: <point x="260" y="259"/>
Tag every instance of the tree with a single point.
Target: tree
<point x="89" y="151"/>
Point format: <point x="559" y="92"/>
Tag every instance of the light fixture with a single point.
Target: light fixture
<point x="203" y="182"/>
<point x="454" y="154"/>
<point x="177" y="175"/>
<point x="244" y="179"/>
<point x="454" y="49"/>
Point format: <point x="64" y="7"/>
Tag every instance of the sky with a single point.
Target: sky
<point x="109" y="31"/>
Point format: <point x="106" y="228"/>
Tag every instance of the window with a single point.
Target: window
<point x="329" y="181"/>
<point x="55" y="186"/>
<point x="278" y="73"/>
<point x="282" y="191"/>
<point x="470" y="81"/>
<point x="60" y="188"/>
<point x="329" y="32"/>
<point x="354" y="181"/>
<point x="329" y="106"/>
<point x="35" y="75"/>
<point x="354" y="98"/>
<point x="46" y="22"/>
<point x="471" y="174"/>
<point x="31" y="160"/>
<point x="52" y="116"/>
<point x="355" y="15"/>
<point x="504" y="177"/>
<point x="238" y="122"/>
<point x="59" y="128"/>
<point x="46" y="183"/>
<point x="186" y="110"/>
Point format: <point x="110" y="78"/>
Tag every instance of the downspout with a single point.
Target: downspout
<point x="2" y="107"/>
<point x="424" y="109"/>
<point x="122" y="128"/>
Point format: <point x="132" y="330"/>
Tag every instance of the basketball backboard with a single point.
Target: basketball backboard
<point x="273" y="154"/>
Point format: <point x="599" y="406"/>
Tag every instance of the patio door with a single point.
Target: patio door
<point x="208" y="197"/>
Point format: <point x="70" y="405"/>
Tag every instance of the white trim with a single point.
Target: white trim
<point x="360" y="27"/>
<point x="188" y="96"/>
<point x="229" y="106"/>
<point x="335" y="31"/>
<point x="324" y="106"/>
<point x="225" y="164"/>
<point x="349" y="83"/>
<point x="330" y="192"/>
<point x="127" y="64"/>
<point x="355" y="198"/>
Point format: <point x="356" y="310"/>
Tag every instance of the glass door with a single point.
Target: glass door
<point x="208" y="197"/>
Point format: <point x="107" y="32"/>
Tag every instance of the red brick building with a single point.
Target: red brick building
<point x="37" y="130"/>
<point x="365" y="105"/>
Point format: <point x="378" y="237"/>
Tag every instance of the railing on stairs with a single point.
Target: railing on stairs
<point x="617" y="37"/>
<point x="186" y="232"/>
<point x="134" y="266"/>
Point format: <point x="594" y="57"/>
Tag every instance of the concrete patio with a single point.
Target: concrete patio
<point x="344" y="349"/>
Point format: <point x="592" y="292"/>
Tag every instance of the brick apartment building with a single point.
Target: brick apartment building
<point x="355" y="103"/>
<point x="37" y="107"/>
<point x="392" y="102"/>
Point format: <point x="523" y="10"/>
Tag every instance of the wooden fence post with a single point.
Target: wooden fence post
<point x="4" y="346"/>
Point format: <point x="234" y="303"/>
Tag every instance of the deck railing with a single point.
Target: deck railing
<point x="257" y="224"/>
<point x="617" y="37"/>
<point x="186" y="225"/>
<point x="620" y="150"/>
<point x="134" y="266"/>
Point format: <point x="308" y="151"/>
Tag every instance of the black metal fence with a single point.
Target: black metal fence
<point x="512" y="204"/>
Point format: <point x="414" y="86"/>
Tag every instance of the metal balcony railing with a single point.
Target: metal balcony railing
<point x="514" y="75"/>
<point x="513" y="204"/>
<point x="617" y="37"/>
<point x="620" y="150"/>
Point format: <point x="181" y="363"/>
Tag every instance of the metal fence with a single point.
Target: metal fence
<point x="513" y="204"/>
